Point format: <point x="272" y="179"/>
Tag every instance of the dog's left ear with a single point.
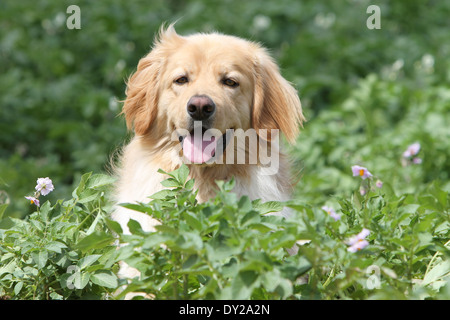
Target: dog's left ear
<point x="276" y="104"/>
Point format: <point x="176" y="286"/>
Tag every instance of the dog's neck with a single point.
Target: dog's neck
<point x="167" y="155"/>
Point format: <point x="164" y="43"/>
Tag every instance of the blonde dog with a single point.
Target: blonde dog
<point x="190" y="85"/>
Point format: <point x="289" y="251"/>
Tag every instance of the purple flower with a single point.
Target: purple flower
<point x="412" y="150"/>
<point x="359" y="241"/>
<point x="379" y="183"/>
<point x="33" y="200"/>
<point x="331" y="213"/>
<point x="417" y="160"/>
<point x="44" y="186"/>
<point x="361" y="171"/>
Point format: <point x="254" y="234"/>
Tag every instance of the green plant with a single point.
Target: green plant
<point x="367" y="95"/>
<point x="45" y="256"/>
<point x="229" y="248"/>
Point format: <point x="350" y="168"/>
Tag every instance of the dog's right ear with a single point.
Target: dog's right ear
<point x="141" y="105"/>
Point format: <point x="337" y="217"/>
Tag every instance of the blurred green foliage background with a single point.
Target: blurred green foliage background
<point x="367" y="94"/>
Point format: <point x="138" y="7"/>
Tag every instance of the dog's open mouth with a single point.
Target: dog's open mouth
<point x="204" y="146"/>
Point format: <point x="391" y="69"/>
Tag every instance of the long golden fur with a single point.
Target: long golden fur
<point x="248" y="92"/>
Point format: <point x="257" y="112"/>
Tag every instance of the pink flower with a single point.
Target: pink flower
<point x="44" y="186"/>
<point x="417" y="160"/>
<point x="33" y="200"/>
<point x="379" y="183"/>
<point x="359" y="241"/>
<point x="361" y="171"/>
<point x="412" y="150"/>
<point x="331" y="213"/>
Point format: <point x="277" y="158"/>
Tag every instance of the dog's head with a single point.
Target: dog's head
<point x="206" y="81"/>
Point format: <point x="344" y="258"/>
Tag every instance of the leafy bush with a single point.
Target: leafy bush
<point x="367" y="95"/>
<point x="45" y="256"/>
<point x="229" y="248"/>
<point x="223" y="249"/>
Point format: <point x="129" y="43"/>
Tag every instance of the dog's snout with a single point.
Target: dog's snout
<point x="201" y="107"/>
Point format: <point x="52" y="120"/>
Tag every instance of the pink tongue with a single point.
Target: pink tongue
<point x="198" y="150"/>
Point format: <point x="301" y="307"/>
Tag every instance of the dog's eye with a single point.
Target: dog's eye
<point x="181" y="80"/>
<point x="230" y="83"/>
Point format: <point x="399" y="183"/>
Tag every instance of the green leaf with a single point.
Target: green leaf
<point x="170" y="183"/>
<point x="190" y="261"/>
<point x="2" y="209"/>
<point x="295" y="268"/>
<point x="140" y="207"/>
<point x="88" y="260"/>
<point x="243" y="284"/>
<point x="284" y="288"/>
<point x="56" y="296"/>
<point x="220" y="251"/>
<point x="9" y="223"/>
<point x="40" y="258"/>
<point x="6" y="256"/>
<point x="269" y="206"/>
<point x="163" y="194"/>
<point x="439" y="194"/>
<point x="163" y="172"/>
<point x="18" y="287"/>
<point x="104" y="278"/>
<point x="37" y="224"/>
<point x="55" y="246"/>
<point x="80" y="279"/>
<point x="226" y="185"/>
<point x="9" y="268"/>
<point x="135" y="227"/>
<point x="192" y="220"/>
<point x="114" y="226"/>
<point x="97" y="181"/>
<point x="94" y="224"/>
<point x="45" y="210"/>
<point x="429" y="202"/>
<point x="88" y="195"/>
<point x="124" y="252"/>
<point x="181" y="174"/>
<point x="189" y="184"/>
<point x="250" y="217"/>
<point x="96" y="240"/>
<point x="257" y="261"/>
<point x="272" y="279"/>
<point x="188" y="242"/>
<point x="244" y="204"/>
<point x="439" y="271"/>
<point x="166" y="229"/>
<point x="81" y="186"/>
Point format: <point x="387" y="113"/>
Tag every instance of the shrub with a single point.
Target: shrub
<point x="45" y="256"/>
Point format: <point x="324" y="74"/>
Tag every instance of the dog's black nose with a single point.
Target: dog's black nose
<point x="201" y="107"/>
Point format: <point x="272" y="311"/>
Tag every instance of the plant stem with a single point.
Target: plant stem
<point x="327" y="282"/>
